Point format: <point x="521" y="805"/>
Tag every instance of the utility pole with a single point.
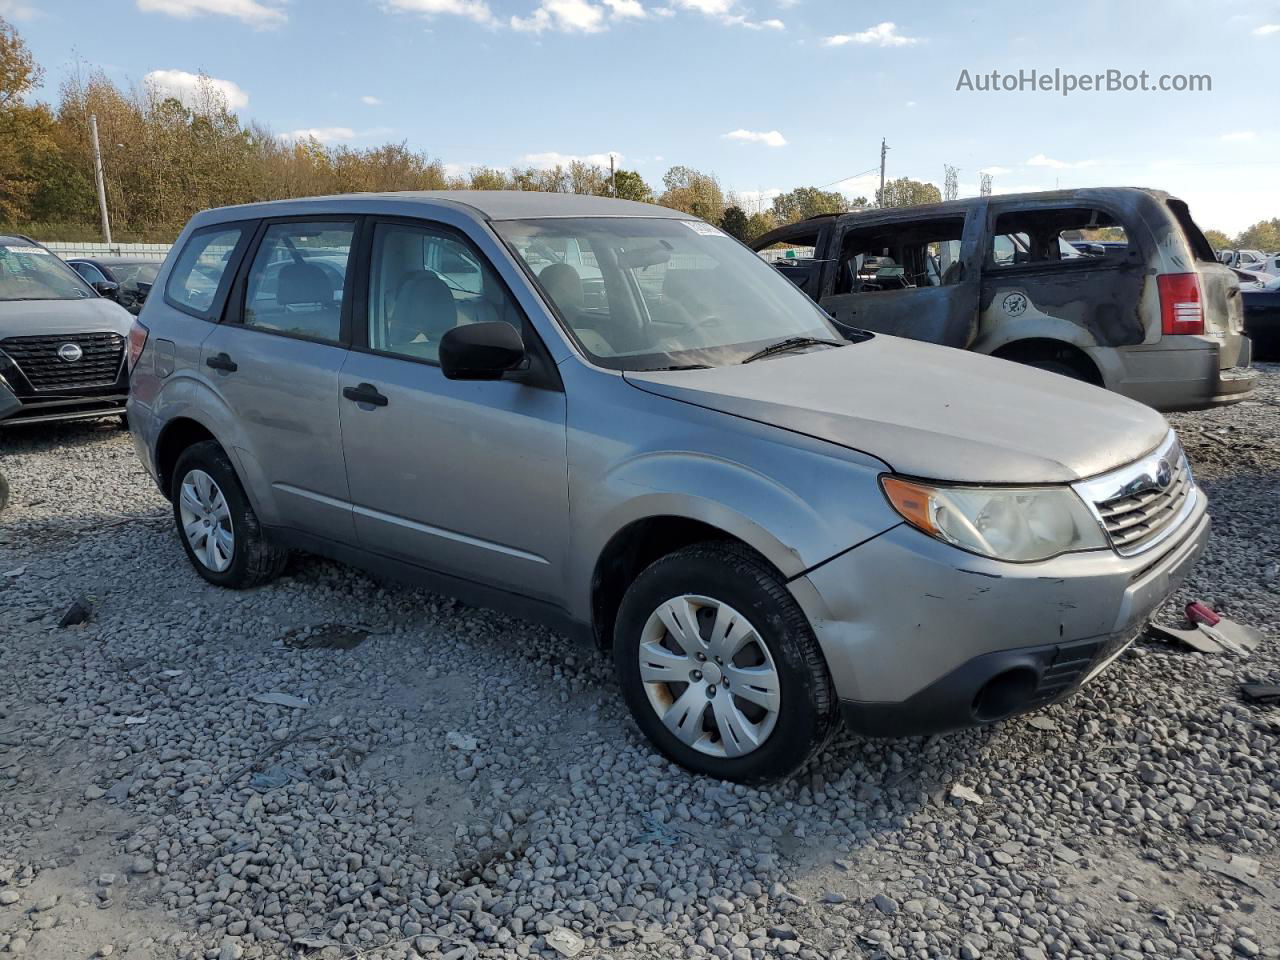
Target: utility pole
<point x="613" y="177"/>
<point x="884" y="149"/>
<point x="97" y="175"/>
<point x="984" y="184"/>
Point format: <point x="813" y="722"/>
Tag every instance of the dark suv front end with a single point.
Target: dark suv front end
<point x="62" y="346"/>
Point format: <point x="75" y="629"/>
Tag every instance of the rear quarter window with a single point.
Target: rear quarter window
<point x="1196" y="240"/>
<point x="201" y="271"/>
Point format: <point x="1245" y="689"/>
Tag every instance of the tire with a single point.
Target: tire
<point x="1058" y="367"/>
<point x="704" y="730"/>
<point x="215" y="506"/>
<point x="4" y="492"/>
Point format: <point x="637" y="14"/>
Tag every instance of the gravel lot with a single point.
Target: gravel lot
<point x="462" y="784"/>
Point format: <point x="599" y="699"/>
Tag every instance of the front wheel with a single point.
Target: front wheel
<point x="720" y="667"/>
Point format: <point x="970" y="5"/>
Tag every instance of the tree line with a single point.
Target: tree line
<point x="165" y="158"/>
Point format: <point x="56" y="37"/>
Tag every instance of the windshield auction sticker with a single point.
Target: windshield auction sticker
<point x="703" y="229"/>
<point x="40" y="251"/>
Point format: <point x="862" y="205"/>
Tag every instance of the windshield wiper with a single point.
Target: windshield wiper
<point x="678" y="366"/>
<point x="792" y="343"/>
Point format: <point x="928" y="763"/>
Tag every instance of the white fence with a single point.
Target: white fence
<point x="788" y="253"/>
<point x="66" y="249"/>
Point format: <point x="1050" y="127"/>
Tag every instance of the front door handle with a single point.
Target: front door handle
<point x="220" y="361"/>
<point x="365" y="393"/>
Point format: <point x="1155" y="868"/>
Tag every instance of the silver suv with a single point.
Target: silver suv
<point x="616" y="419"/>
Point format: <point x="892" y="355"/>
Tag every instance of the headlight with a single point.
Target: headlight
<point x="1006" y="523"/>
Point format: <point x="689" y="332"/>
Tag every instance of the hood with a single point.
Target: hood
<point x="26" y="318"/>
<point x="930" y="412"/>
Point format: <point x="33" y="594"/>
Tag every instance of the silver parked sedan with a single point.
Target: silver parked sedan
<point x="616" y="419"/>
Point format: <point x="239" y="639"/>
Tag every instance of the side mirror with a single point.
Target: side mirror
<point x="107" y="288"/>
<point x="481" y="351"/>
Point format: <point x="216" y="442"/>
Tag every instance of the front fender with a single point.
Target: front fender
<point x="796" y="500"/>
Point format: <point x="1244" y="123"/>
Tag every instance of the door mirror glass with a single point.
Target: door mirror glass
<point x="481" y="351"/>
<point x="107" y="288"/>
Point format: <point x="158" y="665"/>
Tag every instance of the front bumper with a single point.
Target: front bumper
<point x="36" y="410"/>
<point x="921" y="637"/>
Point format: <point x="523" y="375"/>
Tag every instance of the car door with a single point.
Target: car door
<point x="915" y="277"/>
<point x="796" y="252"/>
<point x="464" y="478"/>
<point x="274" y="360"/>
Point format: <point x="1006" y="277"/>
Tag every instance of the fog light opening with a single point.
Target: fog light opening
<point x="1004" y="694"/>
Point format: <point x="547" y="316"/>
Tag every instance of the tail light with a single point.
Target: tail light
<point x="137" y="340"/>
<point x="1181" y="309"/>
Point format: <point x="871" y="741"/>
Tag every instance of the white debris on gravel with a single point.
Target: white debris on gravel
<point x="463" y="785"/>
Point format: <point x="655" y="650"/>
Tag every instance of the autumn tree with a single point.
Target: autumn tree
<point x="693" y="191"/>
<point x="734" y="222"/>
<point x="631" y="186"/>
<point x="758" y="224"/>
<point x="905" y="192"/>
<point x="804" y="202"/>
<point x="27" y="149"/>
<point x="1217" y="239"/>
<point x="1263" y="235"/>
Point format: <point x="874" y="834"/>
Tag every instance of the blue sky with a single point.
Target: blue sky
<point x="767" y="95"/>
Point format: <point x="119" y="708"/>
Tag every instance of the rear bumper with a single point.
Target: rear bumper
<point x="915" y="632"/>
<point x="1183" y="373"/>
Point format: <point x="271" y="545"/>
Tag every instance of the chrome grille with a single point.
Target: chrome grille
<point x="1143" y="503"/>
<point x="37" y="358"/>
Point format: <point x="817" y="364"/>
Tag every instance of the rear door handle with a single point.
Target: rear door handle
<point x="220" y="361"/>
<point x="365" y="393"/>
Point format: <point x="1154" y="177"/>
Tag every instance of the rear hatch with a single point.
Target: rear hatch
<point x="1219" y="290"/>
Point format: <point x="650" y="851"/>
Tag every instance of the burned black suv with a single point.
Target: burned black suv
<point x="62" y="344"/>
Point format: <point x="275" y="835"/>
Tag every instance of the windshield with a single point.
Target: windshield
<point x="650" y="294"/>
<point x="132" y="273"/>
<point x="28" y="272"/>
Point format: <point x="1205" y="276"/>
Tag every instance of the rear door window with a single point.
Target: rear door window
<point x="200" y="276"/>
<point x="298" y="278"/>
<point x="1056" y="235"/>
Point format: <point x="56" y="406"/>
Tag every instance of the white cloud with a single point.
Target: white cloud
<point x="17" y="10"/>
<point x="190" y="87"/>
<point x="663" y="12"/>
<point x="881" y="35"/>
<point x="567" y="16"/>
<point x="321" y="134"/>
<point x="477" y="10"/>
<point x="753" y="201"/>
<point x="1040" y="160"/>
<point x="995" y="171"/>
<point x="545" y="161"/>
<point x="370" y="101"/>
<point x="1239" y="136"/>
<point x="1266" y="30"/>
<point x="770" y="138"/>
<point x="626" y="9"/>
<point x="911" y="103"/>
<point x="252" y="12"/>
<point x="712" y="8"/>
<point x="726" y="11"/>
<point x="864" y="185"/>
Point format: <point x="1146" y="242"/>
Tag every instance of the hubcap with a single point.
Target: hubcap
<point x="206" y="521"/>
<point x="709" y="676"/>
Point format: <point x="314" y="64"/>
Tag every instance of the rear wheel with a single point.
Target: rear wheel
<point x="720" y="667"/>
<point x="217" y="526"/>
